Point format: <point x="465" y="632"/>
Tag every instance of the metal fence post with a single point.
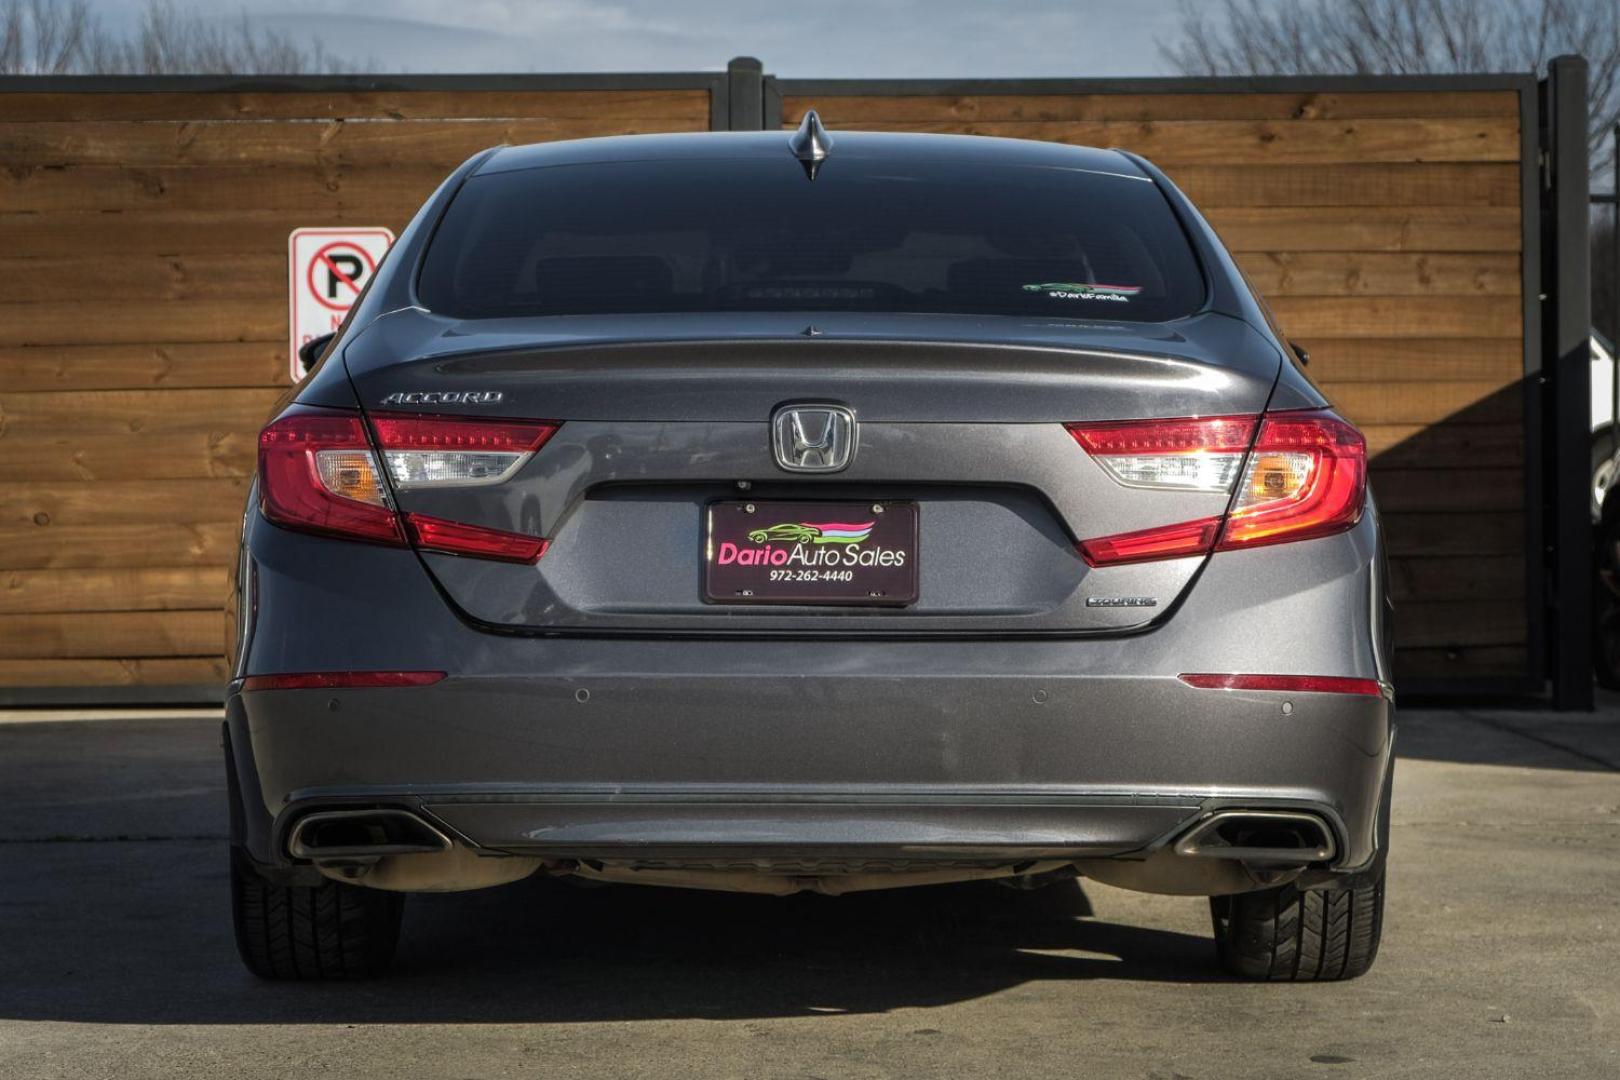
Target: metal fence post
<point x="1567" y="330"/>
<point x="745" y="77"/>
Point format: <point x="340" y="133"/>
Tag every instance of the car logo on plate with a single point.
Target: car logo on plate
<point x="813" y="438"/>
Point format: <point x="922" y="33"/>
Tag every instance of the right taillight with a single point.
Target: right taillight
<point x="1304" y="475"/>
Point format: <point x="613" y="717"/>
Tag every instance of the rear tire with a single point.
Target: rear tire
<point x="311" y="932"/>
<point x="1293" y="935"/>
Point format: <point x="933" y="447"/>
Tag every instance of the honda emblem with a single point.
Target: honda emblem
<point x="813" y="438"/>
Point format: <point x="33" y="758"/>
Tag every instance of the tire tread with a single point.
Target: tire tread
<point x="325" y="932"/>
<point x="1289" y="934"/>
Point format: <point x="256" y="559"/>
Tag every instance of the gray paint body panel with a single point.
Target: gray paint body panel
<point x="593" y="708"/>
<point x="952" y="725"/>
<point x="653" y="431"/>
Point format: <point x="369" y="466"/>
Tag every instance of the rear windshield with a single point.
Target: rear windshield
<point x="756" y="235"/>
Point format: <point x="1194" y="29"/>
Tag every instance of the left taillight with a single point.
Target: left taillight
<point x="1299" y="475"/>
<point x="318" y="472"/>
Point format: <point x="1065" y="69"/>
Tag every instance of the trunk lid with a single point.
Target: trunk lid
<point x="666" y="422"/>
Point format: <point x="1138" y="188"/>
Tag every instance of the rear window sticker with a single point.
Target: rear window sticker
<point x="1077" y="290"/>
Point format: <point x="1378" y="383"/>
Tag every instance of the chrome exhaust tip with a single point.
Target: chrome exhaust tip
<point x="1260" y="836"/>
<point x="340" y="834"/>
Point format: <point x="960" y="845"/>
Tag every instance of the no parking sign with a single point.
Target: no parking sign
<point x="327" y="269"/>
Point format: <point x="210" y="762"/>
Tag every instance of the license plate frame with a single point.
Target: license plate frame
<point x="813" y="553"/>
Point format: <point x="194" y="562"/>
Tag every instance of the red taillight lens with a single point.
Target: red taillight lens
<point x="437" y="534"/>
<point x="1305" y="476"/>
<point x="317" y="474"/>
<point x="1180" y="436"/>
<point x="341" y="680"/>
<point x="1301" y="684"/>
<point x="452" y="451"/>
<point x="1164" y="542"/>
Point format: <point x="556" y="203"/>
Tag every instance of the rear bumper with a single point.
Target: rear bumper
<point x="601" y="763"/>
<point x="774" y="750"/>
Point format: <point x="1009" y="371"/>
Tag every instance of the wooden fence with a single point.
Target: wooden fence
<point x="143" y="325"/>
<point x="143" y="231"/>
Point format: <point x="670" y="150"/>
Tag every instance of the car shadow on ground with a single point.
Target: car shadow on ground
<point x="541" y="951"/>
<point x="1515" y="737"/>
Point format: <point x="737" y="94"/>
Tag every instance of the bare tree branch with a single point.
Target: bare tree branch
<point x="63" y="37"/>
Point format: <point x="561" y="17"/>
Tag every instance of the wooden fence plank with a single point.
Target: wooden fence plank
<point x="1445" y="623"/>
<point x="1455" y="534"/>
<point x="1396" y="316"/>
<point x="119" y="411"/>
<point x="1405" y="360"/>
<point x="133" y="322"/>
<point x="1425" y="403"/>
<point x="167" y="671"/>
<point x="1448" y="491"/>
<point x="205" y="543"/>
<point x="25" y="592"/>
<point x="1458" y="663"/>
<point x="690" y="106"/>
<point x="250" y="275"/>
<point x="111" y="634"/>
<point x="377" y="142"/>
<point x="1368" y="228"/>
<point x="1444" y="446"/>
<point x="176" y="365"/>
<point x="422" y="142"/>
<point x="159" y="455"/>
<point x="1369" y="273"/>
<point x="307" y="190"/>
<point x="143" y="502"/>
<point x="1351" y="184"/>
<point x="1171" y="143"/>
<point x="190" y="232"/>
<point x="856" y="109"/>
<point x="1485" y="577"/>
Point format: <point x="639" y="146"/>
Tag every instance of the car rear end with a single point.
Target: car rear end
<point x="671" y="513"/>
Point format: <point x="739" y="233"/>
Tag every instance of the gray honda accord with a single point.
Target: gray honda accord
<point x="818" y="511"/>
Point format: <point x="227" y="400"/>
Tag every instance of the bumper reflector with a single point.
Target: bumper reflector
<point x="1300" y="684"/>
<point x="341" y="680"/>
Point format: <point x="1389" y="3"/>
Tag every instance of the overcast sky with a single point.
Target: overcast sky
<point x="830" y="38"/>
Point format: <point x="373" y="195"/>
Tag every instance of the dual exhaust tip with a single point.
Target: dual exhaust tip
<point x="1260" y="836"/>
<point x="361" y="834"/>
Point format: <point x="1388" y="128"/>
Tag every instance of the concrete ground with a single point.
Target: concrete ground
<point x="1501" y="956"/>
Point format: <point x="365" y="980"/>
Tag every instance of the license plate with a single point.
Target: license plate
<point x="765" y="552"/>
